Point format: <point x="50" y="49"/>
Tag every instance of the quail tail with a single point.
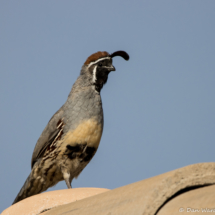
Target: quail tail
<point x="25" y="191"/>
<point x="33" y="185"/>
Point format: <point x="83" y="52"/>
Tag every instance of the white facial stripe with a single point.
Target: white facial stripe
<point x="94" y="74"/>
<point x="98" y="61"/>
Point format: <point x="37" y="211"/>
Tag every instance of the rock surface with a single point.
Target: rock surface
<point x="190" y="187"/>
<point x="38" y="203"/>
<point x="197" y="201"/>
<point x="144" y="197"/>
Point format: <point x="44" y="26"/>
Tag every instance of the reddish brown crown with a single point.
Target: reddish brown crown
<point x="96" y="56"/>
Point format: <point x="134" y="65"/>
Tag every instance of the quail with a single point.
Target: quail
<point x="72" y="136"/>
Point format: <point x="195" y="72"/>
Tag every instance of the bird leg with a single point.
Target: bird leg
<point x="66" y="177"/>
<point x="68" y="183"/>
<point x="84" y="149"/>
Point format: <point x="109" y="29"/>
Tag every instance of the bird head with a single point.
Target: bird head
<point x="98" y="66"/>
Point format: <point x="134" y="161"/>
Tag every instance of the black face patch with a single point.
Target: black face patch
<point x="80" y="151"/>
<point x="102" y="75"/>
<point x="105" y="63"/>
<point x="102" y="72"/>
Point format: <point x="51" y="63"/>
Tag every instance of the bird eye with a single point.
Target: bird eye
<point x="100" y="64"/>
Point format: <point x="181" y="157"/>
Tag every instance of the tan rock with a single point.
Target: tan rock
<point x="38" y="203"/>
<point x="197" y="201"/>
<point x="190" y="187"/>
<point x="143" y="197"/>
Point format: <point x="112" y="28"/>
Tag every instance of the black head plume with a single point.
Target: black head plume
<point x="121" y="54"/>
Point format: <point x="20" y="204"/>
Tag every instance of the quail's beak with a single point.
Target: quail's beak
<point x="111" y="68"/>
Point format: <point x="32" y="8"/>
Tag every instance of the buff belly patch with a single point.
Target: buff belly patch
<point x="88" y="132"/>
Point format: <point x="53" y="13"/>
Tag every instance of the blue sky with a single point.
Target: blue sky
<point x="159" y="106"/>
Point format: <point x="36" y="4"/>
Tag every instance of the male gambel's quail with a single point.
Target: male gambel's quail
<point x="72" y="135"/>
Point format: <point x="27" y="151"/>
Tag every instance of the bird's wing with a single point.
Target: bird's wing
<point x="53" y="130"/>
